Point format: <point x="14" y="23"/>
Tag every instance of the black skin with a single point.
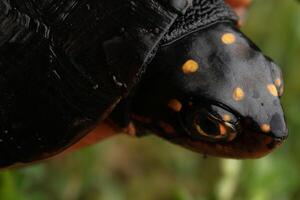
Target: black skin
<point x="208" y="93"/>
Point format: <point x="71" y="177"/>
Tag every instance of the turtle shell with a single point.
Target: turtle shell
<point x="65" y="65"/>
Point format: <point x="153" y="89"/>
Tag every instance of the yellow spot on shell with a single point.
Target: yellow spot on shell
<point x="265" y="128"/>
<point x="228" y="38"/>
<point x="278" y="82"/>
<point x="238" y="94"/>
<point x="175" y="105"/>
<point x="272" y="89"/>
<point x="190" y="67"/>
<point x="226" y="118"/>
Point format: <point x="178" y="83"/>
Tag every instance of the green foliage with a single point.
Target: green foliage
<point x="146" y="169"/>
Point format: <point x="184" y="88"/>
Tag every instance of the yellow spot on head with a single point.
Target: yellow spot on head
<point x="272" y="89"/>
<point x="265" y="128"/>
<point x="190" y="67"/>
<point x="278" y="82"/>
<point x="228" y="38"/>
<point x="175" y="105"/>
<point x="226" y="118"/>
<point x="238" y="94"/>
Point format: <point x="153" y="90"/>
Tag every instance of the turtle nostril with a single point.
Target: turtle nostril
<point x="279" y="129"/>
<point x="276" y="142"/>
<point x="281" y="139"/>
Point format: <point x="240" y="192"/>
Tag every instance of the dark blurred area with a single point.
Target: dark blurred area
<point x="124" y="168"/>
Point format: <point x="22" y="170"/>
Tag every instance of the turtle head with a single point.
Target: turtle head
<point x="214" y="92"/>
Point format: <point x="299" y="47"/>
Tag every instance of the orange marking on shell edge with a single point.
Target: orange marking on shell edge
<point x="272" y="89"/>
<point x="167" y="127"/>
<point x="228" y="38"/>
<point x="175" y="105"/>
<point x="223" y="130"/>
<point x="226" y="118"/>
<point x="265" y="128"/>
<point x="278" y="82"/>
<point x="190" y="67"/>
<point x="238" y="94"/>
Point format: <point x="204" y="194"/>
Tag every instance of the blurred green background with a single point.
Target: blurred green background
<point x="124" y="168"/>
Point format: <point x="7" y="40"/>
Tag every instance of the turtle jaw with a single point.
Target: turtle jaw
<point x="247" y="145"/>
<point x="250" y="141"/>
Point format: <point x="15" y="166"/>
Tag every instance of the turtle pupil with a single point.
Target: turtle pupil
<point x="208" y="126"/>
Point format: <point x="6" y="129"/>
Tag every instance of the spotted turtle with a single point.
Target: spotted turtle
<point x="178" y="68"/>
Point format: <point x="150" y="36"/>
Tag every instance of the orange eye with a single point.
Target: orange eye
<point x="210" y="128"/>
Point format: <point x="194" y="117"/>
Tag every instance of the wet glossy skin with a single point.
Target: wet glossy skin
<point x="215" y="93"/>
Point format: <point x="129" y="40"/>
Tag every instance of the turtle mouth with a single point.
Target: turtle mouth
<point x="244" y="146"/>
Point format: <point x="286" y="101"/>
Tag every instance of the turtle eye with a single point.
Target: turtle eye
<point x="207" y="126"/>
<point x="209" y="123"/>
